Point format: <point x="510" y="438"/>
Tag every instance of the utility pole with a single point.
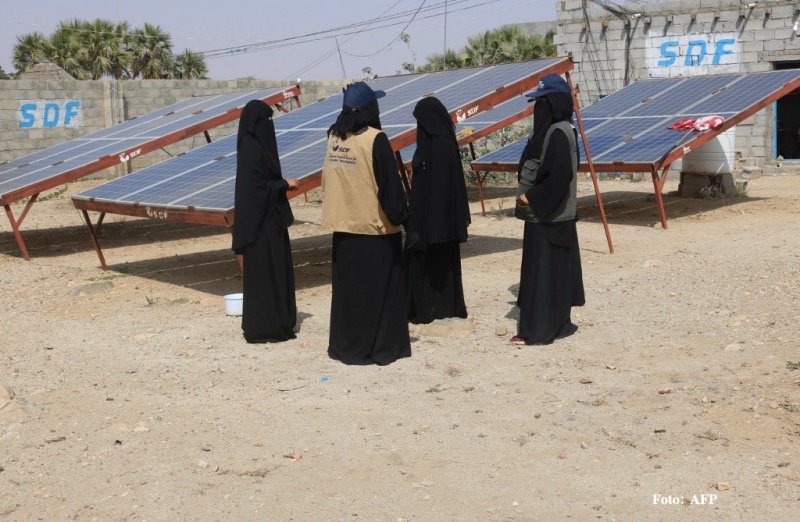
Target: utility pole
<point x="341" y="62"/>
<point x="444" y="49"/>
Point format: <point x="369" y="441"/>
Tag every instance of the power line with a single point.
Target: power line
<point x="367" y="25"/>
<point x="392" y="41"/>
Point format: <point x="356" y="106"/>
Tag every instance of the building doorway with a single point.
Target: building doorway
<point x="787" y="119"/>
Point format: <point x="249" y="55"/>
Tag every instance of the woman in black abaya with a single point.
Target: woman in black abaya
<point x="439" y="218"/>
<point x="364" y="203"/>
<point x="261" y="217"/>
<point x="551" y="280"/>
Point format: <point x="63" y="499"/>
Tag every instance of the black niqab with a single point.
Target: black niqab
<point x="547" y="110"/>
<point x="439" y="206"/>
<point x="260" y="193"/>
<point x="352" y="119"/>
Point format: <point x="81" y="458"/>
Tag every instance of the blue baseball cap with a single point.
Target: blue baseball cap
<point x="548" y="85"/>
<point x="358" y="95"/>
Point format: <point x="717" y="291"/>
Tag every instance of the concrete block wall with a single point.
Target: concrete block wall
<point x="107" y="102"/>
<point x="597" y="40"/>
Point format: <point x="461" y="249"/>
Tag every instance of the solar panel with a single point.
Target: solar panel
<point x="45" y="169"/>
<point x="202" y="182"/>
<point x="483" y="124"/>
<point x="628" y="129"/>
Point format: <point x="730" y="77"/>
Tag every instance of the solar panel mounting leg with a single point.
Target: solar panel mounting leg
<point x="478" y="181"/>
<point x="15" y="224"/>
<point x="658" y="186"/>
<point x="577" y="106"/>
<point x="403" y="172"/>
<point x="93" y="231"/>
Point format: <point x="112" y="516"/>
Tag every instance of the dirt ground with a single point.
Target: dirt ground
<point x="129" y="394"/>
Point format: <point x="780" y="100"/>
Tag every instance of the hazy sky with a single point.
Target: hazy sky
<point x="202" y="25"/>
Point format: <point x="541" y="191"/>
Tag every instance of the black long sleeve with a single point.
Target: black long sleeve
<point x="391" y="193"/>
<point x="553" y="180"/>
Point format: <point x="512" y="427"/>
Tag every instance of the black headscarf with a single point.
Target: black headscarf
<point x="260" y="193"/>
<point x="352" y="119"/>
<point x="547" y="110"/>
<point x="439" y="206"/>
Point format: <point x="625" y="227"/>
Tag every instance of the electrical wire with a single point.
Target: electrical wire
<point x="366" y="25"/>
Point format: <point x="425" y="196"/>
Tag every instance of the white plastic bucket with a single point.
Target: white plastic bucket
<point x="233" y="304"/>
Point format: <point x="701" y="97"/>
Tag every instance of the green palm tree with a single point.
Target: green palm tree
<point x="449" y="60"/>
<point x="102" y="50"/>
<point x="64" y="48"/>
<point x="189" y="65"/>
<point x="30" y="49"/>
<point x="507" y="44"/>
<point x="152" y="56"/>
<point x="4" y="75"/>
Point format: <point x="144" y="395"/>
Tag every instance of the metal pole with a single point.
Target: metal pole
<point x="341" y="62"/>
<point x="444" y="47"/>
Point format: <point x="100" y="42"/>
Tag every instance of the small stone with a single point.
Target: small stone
<point x="611" y="367"/>
<point x="773" y="405"/>
<point x="6" y="392"/>
<point x="584" y="445"/>
<point x="205" y="448"/>
<point x="501" y="331"/>
<point x="537" y="415"/>
<point x="723" y="486"/>
<point x="665" y="391"/>
<point x="95" y="287"/>
<point x="202" y="464"/>
<point x="585" y="380"/>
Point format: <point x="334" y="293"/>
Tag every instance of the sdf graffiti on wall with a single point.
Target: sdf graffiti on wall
<point x="49" y="114"/>
<point x="692" y="55"/>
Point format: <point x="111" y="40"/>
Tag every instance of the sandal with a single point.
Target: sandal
<point x="517" y="340"/>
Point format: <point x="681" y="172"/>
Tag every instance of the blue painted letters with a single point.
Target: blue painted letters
<point x="49" y="114"/>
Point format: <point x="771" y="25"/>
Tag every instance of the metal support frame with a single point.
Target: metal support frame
<point x="478" y="180"/>
<point x="579" y="118"/>
<point x="94" y="230"/>
<point x="15" y="224"/>
<point x="658" y="188"/>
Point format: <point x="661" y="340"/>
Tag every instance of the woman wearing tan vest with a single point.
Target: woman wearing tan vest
<point x="364" y="204"/>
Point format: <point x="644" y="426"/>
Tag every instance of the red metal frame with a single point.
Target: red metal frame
<point x="34" y="189"/>
<point x="590" y="163"/>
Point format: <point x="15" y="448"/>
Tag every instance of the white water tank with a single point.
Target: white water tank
<point x="713" y="157"/>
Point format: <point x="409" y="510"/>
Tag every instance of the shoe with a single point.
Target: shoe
<point x="517" y="340"/>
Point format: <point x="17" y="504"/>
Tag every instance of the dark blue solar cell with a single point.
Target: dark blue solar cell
<point x="302" y="134"/>
<point x="638" y="133"/>
<point x="156" y="126"/>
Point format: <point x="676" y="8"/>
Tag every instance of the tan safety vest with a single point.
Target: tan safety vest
<point x="350" y="193"/>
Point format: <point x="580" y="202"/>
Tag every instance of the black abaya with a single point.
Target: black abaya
<point x="551" y="279"/>
<point x="368" y="303"/>
<point x="261" y="217"/>
<point x="368" y="313"/>
<point x="439" y="218"/>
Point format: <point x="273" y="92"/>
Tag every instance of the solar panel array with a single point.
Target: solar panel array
<point x="100" y="149"/>
<point x="202" y="180"/>
<point x="480" y="125"/>
<point x="631" y="126"/>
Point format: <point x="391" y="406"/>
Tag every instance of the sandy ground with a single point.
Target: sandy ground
<point x="129" y="394"/>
